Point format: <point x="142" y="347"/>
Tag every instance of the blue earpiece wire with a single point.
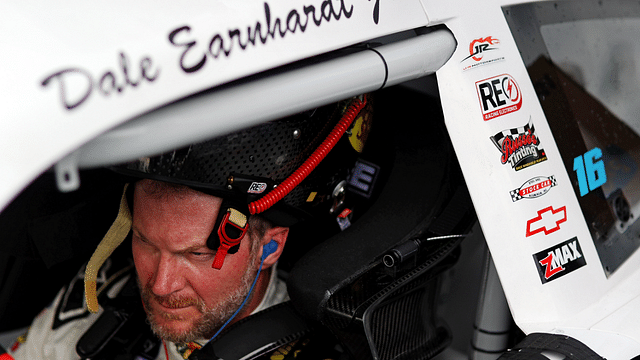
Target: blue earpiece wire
<point x="267" y="250"/>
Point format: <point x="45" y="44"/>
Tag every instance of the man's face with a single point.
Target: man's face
<point x="184" y="297"/>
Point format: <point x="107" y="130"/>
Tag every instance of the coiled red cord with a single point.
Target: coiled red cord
<point x="311" y="163"/>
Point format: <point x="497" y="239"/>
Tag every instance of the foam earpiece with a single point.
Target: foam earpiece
<point x="269" y="249"/>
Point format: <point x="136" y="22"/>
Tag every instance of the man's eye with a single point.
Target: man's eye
<point x="201" y="255"/>
<point x="139" y="239"/>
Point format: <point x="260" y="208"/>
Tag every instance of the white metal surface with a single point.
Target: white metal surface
<point x="76" y="69"/>
<point x="276" y="96"/>
<point x="584" y="299"/>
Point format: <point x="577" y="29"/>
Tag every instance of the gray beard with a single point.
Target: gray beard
<point x="210" y="321"/>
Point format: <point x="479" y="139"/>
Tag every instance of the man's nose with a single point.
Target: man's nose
<point x="167" y="278"/>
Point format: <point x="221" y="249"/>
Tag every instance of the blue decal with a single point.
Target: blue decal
<point x="590" y="170"/>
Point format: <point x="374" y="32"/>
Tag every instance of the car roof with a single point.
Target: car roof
<point x="77" y="70"/>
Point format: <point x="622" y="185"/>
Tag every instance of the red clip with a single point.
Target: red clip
<point x="238" y="221"/>
<point x="221" y="253"/>
<point x="344" y="213"/>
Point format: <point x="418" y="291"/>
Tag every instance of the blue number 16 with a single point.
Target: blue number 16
<point x="590" y="171"/>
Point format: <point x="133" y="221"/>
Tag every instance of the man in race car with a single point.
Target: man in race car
<point x="207" y="225"/>
<point x="185" y="298"/>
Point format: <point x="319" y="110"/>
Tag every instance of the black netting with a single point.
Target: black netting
<point x="390" y="315"/>
<point x="271" y="150"/>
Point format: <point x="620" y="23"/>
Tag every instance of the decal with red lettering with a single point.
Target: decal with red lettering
<point x="520" y="147"/>
<point x="499" y="95"/>
<point x="533" y="188"/>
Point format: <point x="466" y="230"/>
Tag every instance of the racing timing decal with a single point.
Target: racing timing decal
<point x="559" y="260"/>
<point x="520" y="147"/>
<point x="499" y="95"/>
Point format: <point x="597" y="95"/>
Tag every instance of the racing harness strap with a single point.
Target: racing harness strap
<point x="256" y="334"/>
<point x="112" y="239"/>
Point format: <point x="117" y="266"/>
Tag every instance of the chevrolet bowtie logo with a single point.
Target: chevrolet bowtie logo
<point x="547" y="221"/>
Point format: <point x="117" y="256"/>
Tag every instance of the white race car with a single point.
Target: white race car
<point x="539" y="103"/>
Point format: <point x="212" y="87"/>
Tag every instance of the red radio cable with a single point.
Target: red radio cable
<point x="305" y="169"/>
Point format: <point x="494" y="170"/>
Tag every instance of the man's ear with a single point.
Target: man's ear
<point x="279" y="235"/>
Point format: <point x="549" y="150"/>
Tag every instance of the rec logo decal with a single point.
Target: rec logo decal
<point x="520" y="147"/>
<point x="499" y="95"/>
<point x="559" y="260"/>
<point x="533" y="188"/>
<point x="257" y="187"/>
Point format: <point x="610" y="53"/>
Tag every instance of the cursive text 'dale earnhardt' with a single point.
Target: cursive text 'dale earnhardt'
<point x="76" y="85"/>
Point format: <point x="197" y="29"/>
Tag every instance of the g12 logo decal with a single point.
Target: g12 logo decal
<point x="477" y="50"/>
<point x="499" y="95"/>
<point x="533" y="188"/>
<point x="547" y="221"/>
<point x="590" y="170"/>
<point x="520" y="147"/>
<point x="559" y="260"/>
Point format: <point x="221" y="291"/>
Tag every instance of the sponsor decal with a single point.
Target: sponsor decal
<point x="257" y="187"/>
<point x="559" y="260"/>
<point x="499" y="95"/>
<point x="478" y="48"/>
<point x="520" y="147"/>
<point x="344" y="219"/>
<point x="360" y="128"/>
<point x="590" y="170"/>
<point x="363" y="178"/>
<point x="533" y="188"/>
<point x="547" y="221"/>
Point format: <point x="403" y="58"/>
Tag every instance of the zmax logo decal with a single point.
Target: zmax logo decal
<point x="498" y="95"/>
<point x="559" y="260"/>
<point x="533" y="188"/>
<point x="520" y="147"/>
<point x="547" y="221"/>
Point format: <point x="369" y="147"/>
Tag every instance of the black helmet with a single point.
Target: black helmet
<point x="276" y="169"/>
<point x="285" y="170"/>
